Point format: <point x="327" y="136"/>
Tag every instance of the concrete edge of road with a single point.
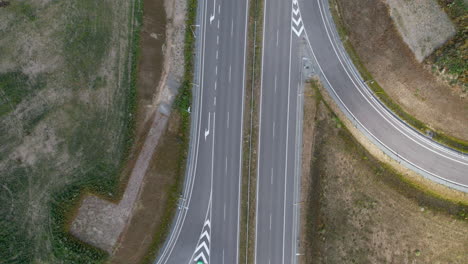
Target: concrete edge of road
<point x="372" y="144"/>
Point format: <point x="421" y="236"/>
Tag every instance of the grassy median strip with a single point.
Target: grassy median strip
<point x="250" y="137"/>
<point x="181" y="105"/>
<point x="452" y="142"/>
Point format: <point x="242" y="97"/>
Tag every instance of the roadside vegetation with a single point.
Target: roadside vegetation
<point x="379" y="217"/>
<point x="437" y="135"/>
<point x="250" y="136"/>
<point x="181" y="137"/>
<point x="452" y="57"/>
<point x="67" y="103"/>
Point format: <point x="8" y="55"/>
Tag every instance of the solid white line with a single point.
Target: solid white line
<point x="372" y="135"/>
<point x="287" y="140"/>
<point x="193" y="166"/>
<point x="260" y="131"/>
<point x="241" y="132"/>
<point x="375" y="108"/>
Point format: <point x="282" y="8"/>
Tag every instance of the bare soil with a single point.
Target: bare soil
<point x="150" y="209"/>
<point x="355" y="210"/>
<point x="373" y="35"/>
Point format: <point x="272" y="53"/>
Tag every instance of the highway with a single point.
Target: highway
<point x="206" y="226"/>
<point x="279" y="134"/>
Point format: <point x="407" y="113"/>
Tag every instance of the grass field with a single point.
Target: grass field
<point x="66" y="104"/>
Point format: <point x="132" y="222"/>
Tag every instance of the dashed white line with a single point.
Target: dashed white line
<point x="275" y="82"/>
<point x="271" y="177"/>
<point x="216" y="70"/>
<point x="218" y="24"/>
<point x="270" y="221"/>
<point x="224" y="212"/>
<point x="216" y="54"/>
<point x="274" y="126"/>
<point x="214" y="101"/>
<point x="230" y="73"/>
<point x="217" y="39"/>
<point x="277" y="38"/>
<point x="227" y="120"/>
<point x="232" y="28"/>
<point x="215" y="85"/>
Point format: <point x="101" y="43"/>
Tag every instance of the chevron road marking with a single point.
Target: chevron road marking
<point x="297" y="26"/>
<point x="202" y="251"/>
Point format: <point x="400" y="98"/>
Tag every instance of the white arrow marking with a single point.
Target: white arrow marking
<point x="203" y="245"/>
<point x="294" y="2"/>
<point x="201" y="256"/>
<point x="207" y="131"/>
<point x="212" y="17"/>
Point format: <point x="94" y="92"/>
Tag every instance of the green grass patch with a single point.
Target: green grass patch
<point x="16" y="86"/>
<point x="452" y="142"/>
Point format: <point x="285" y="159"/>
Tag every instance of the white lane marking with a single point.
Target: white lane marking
<point x="382" y="115"/>
<point x="260" y="134"/>
<point x="298" y="25"/>
<point x="217" y="40"/>
<point x="277" y="37"/>
<point x="216" y="70"/>
<point x="230" y="73"/>
<point x="227" y="120"/>
<point x="232" y="28"/>
<point x="275" y="82"/>
<point x="216" y="54"/>
<point x="270" y="221"/>
<point x="287" y="145"/>
<point x="224" y="213"/>
<point x="274" y="125"/>
<point x="271" y="177"/>
<point x="218" y="24"/>
<point x="193" y="166"/>
<point x="214" y="101"/>
<point x="219" y="9"/>
<point x="225" y="166"/>
<point x="207" y="130"/>
<point x="215" y="85"/>
<point x="212" y="17"/>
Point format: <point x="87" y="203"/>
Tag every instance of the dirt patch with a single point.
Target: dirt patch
<point x="377" y="42"/>
<point x="150" y="209"/>
<point x="423" y="25"/>
<point x="355" y="213"/>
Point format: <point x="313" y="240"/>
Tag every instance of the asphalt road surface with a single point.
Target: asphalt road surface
<point x="349" y="90"/>
<point x="279" y="141"/>
<point x="206" y="226"/>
